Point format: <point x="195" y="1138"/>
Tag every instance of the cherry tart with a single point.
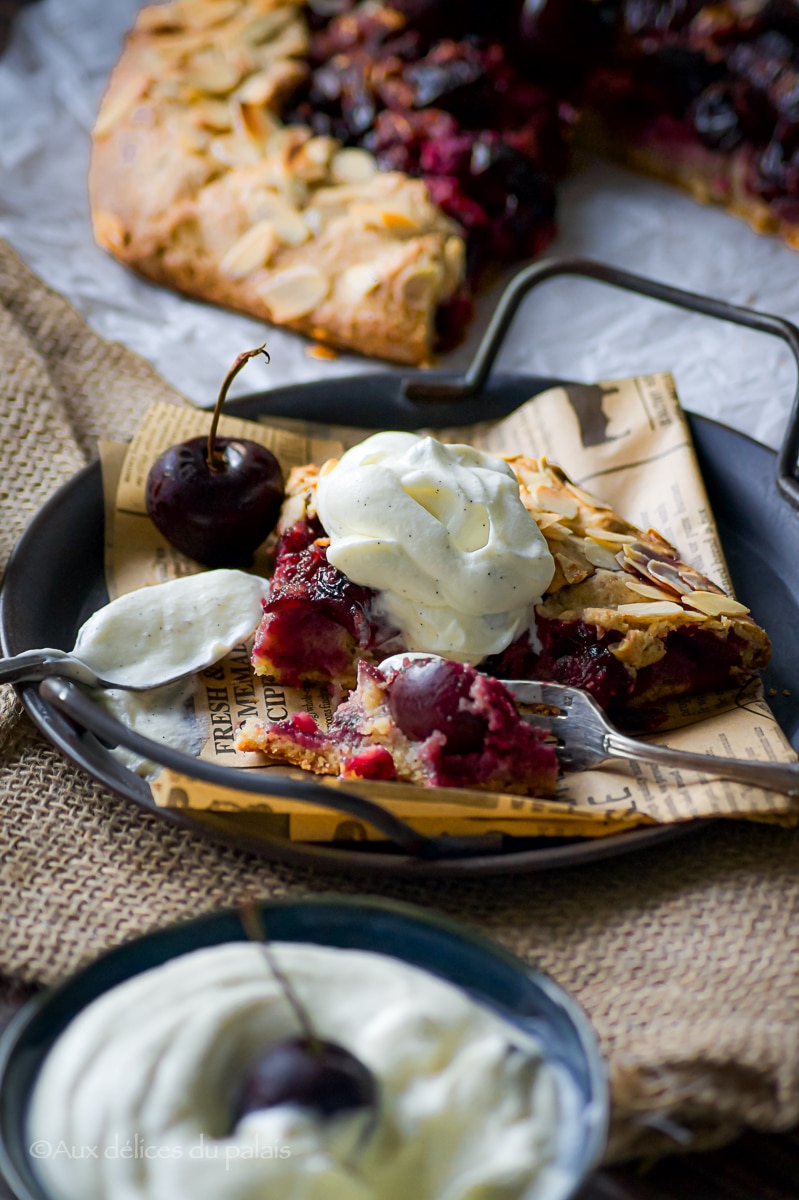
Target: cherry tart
<point x="623" y="617"/>
<point x="420" y="719"/>
<point x="352" y="170"/>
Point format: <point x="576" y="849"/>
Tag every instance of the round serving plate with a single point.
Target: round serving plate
<point x="488" y="973"/>
<point x="55" y="579"/>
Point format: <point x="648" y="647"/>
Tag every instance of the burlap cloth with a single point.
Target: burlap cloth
<point x="685" y="957"/>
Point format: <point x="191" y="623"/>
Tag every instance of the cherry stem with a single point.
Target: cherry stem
<point x="215" y="459"/>
<point x="253" y="925"/>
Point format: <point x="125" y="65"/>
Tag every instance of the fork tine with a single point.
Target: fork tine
<point x="550" y="723"/>
<point x="553" y="695"/>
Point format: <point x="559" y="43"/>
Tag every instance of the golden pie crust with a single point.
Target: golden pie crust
<point x="196" y="184"/>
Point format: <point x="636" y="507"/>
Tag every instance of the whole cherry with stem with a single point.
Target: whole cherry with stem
<point x="306" y="1070"/>
<point x="216" y="498"/>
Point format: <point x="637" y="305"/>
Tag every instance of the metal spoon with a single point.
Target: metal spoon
<point x="152" y="636"/>
<point x="33" y="665"/>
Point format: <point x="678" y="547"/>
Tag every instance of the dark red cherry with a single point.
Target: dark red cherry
<point x="318" y="1075"/>
<point x="426" y="696"/>
<point x="216" y="499"/>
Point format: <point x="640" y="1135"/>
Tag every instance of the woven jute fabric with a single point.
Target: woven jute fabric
<point x="685" y="957"/>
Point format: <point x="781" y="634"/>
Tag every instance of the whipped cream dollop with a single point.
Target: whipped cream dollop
<point x="145" y="1079"/>
<point x="441" y="533"/>
<point x="158" y="633"/>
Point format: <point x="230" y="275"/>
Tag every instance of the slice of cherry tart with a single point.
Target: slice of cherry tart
<point x="624" y="618"/>
<point x="421" y="719"/>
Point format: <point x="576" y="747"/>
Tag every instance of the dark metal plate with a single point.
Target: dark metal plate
<point x="55" y="580"/>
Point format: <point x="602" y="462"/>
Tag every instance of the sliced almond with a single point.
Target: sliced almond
<point x="214" y="115"/>
<point x="268" y="24"/>
<point x="201" y="14"/>
<point x="715" y="604"/>
<point x="356" y="283"/>
<point x="554" y="500"/>
<point x="648" y="591"/>
<point x="254" y="121"/>
<point x="234" y="151"/>
<point x="352" y="166"/>
<point x="294" y="292"/>
<point x="545" y="521"/>
<point x="586" y="498"/>
<point x="454" y="264"/>
<point x="609" y="536"/>
<point x="668" y="575"/>
<point x="210" y="73"/>
<point x="155" y="17"/>
<point x="420" y="285"/>
<point x="658" y="608"/>
<point x="287" y="222"/>
<point x="119" y="102"/>
<point x="110" y="230"/>
<point x="253" y="250"/>
<point x="599" y="556"/>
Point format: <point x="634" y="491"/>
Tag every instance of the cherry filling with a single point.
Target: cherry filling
<point x="315" y="619"/>
<point x="726" y="79"/>
<point x="442" y="102"/>
<point x="573" y="653"/>
<point x="467" y="726"/>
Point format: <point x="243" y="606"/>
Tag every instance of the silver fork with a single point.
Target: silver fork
<point x="586" y="738"/>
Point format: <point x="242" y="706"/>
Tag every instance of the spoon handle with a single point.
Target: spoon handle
<point x="33" y="665"/>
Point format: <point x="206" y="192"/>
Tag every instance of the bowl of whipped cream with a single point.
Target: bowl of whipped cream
<point x="157" y="1070"/>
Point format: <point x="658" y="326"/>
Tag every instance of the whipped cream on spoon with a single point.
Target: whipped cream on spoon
<point x="154" y="635"/>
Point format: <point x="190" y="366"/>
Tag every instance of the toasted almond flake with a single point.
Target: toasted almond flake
<point x="215" y="115"/>
<point x="554" y="500"/>
<point x="259" y="89"/>
<point x="420" y="285"/>
<point x="294" y="292"/>
<point x="668" y="575"/>
<point x="352" y="166"/>
<point x="200" y="14"/>
<point x="658" y="608"/>
<point x="574" y="571"/>
<point x="454" y="264"/>
<point x="109" y="229"/>
<point x="557" y="531"/>
<point x="120" y="102"/>
<point x="586" y="498"/>
<point x="609" y="536"/>
<point x="210" y="72"/>
<point x="358" y="281"/>
<point x="715" y="604"/>
<point x="651" y="593"/>
<point x="320" y="149"/>
<point x="253" y="250"/>
<point x="266" y="26"/>
<point x="254" y="121"/>
<point x="545" y="520"/>
<point x="599" y="556"/>
<point x="234" y="151"/>
<point x="529" y="478"/>
<point x="154" y="17"/>
<point x="287" y="222"/>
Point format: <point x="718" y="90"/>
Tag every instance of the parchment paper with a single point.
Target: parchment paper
<point x="51" y="78"/>
<point x="644" y="465"/>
